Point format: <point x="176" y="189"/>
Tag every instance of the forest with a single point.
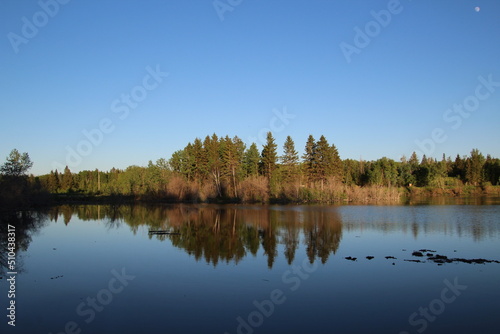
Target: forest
<point x="225" y="170"/>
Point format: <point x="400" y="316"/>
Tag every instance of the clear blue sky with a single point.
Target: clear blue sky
<point x="231" y="76"/>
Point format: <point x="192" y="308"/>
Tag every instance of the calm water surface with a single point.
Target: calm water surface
<point x="254" y="269"/>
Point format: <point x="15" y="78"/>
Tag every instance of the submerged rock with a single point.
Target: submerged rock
<point x="475" y="261"/>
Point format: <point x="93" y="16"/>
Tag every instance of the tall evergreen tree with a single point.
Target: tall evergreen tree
<point x="474" y="167"/>
<point x="327" y="161"/>
<point x="251" y="160"/>
<point x="309" y="158"/>
<point x="269" y="156"/>
<point x="67" y="180"/>
<point x="232" y="158"/>
<point x="53" y="182"/>
<point x="212" y="146"/>
<point x="289" y="159"/>
<point x="199" y="160"/>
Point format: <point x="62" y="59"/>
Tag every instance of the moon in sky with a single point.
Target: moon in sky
<point x="477" y="9"/>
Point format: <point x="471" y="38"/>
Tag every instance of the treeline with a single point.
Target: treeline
<point x="225" y="169"/>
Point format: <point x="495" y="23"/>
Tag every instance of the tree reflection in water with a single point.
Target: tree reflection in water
<point x="225" y="233"/>
<point x="27" y="224"/>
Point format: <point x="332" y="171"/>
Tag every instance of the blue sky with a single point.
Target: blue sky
<point x="233" y="76"/>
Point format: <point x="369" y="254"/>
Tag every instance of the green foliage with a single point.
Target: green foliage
<point x="309" y="158"/>
<point x="383" y="172"/>
<point x="474" y="173"/>
<point x="67" y="180"/>
<point x="492" y="170"/>
<point x="289" y="160"/>
<point x="224" y="169"/>
<point x="17" y="164"/>
<point x="269" y="156"/>
<point x="251" y="160"/>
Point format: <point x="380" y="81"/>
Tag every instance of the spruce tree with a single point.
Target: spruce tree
<point x="289" y="159"/>
<point x="67" y="180"/>
<point x="474" y="167"/>
<point x="251" y="160"/>
<point x="212" y="147"/>
<point x="269" y="156"/>
<point x="308" y="157"/>
<point x="232" y="158"/>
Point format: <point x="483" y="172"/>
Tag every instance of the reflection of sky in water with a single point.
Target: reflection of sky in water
<point x="174" y="293"/>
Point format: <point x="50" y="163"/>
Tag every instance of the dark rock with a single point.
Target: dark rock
<point x="417" y="261"/>
<point x="417" y="253"/>
<point x="351" y="258"/>
<point x="427" y="250"/>
<point x="440" y="259"/>
<point x="390" y="257"/>
<point x="370" y="257"/>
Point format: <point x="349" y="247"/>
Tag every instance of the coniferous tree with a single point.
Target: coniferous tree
<point x="53" y="182"/>
<point x="189" y="162"/>
<point x="251" y="160"/>
<point x="336" y="162"/>
<point x="214" y="162"/>
<point x="67" y="180"/>
<point x="309" y="159"/>
<point x="492" y="170"/>
<point x="269" y="156"/>
<point x="322" y="166"/>
<point x="199" y="160"/>
<point x="232" y="158"/>
<point x="474" y="167"/>
<point x="289" y="159"/>
<point x="327" y="161"/>
<point x="177" y="162"/>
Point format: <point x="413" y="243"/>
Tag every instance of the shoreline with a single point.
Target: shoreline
<point x="343" y="195"/>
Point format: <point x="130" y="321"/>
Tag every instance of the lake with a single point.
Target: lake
<point x="255" y="269"/>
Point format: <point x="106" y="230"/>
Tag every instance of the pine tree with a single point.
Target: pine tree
<point x="413" y="161"/>
<point x="269" y="156"/>
<point x="189" y="162"/>
<point x="53" y="182"/>
<point x="176" y="162"/>
<point x="474" y="167"/>
<point x="67" y="180"/>
<point x="232" y="158"/>
<point x="199" y="161"/>
<point x="327" y="162"/>
<point x="212" y="147"/>
<point x="309" y="159"/>
<point x="251" y="160"/>
<point x="336" y="162"/>
<point x="289" y="159"/>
